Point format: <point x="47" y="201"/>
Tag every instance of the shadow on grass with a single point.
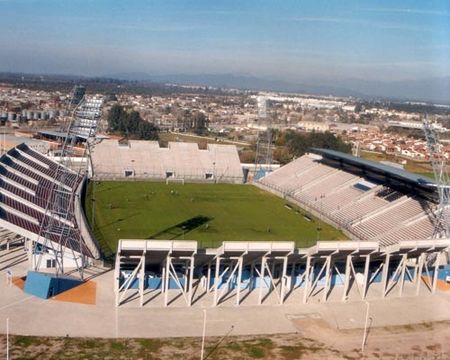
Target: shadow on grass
<point x="181" y="229"/>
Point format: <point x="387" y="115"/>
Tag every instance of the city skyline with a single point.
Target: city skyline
<point x="291" y="40"/>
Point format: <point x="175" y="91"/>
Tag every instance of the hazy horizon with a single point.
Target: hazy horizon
<point x="295" y="41"/>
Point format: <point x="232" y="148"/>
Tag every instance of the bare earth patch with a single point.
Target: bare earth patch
<point x="315" y="340"/>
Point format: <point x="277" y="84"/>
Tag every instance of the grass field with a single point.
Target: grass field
<point x="208" y="213"/>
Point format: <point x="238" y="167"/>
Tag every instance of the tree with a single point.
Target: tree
<point x="199" y="122"/>
<point x="282" y="155"/>
<point x="300" y="143"/>
<point x="114" y="116"/>
<point x="130" y="124"/>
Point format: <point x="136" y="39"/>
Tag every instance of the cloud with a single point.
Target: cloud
<point x="158" y="28"/>
<point x="435" y="47"/>
<point x="216" y="12"/>
<point x="335" y="20"/>
<point x="411" y="11"/>
<point x="375" y="24"/>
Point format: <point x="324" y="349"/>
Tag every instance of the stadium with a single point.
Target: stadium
<point x="180" y="227"/>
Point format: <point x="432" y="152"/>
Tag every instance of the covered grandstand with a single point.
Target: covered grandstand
<point x="166" y="272"/>
<point x="369" y="201"/>
<point x="147" y="160"/>
<point x="27" y="183"/>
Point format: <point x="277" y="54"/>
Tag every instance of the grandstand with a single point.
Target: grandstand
<point x="146" y="160"/>
<point x="26" y="181"/>
<point x="369" y="201"/>
<point x="166" y="272"/>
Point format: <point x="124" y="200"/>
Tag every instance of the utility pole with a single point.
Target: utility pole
<point x="202" y="353"/>
<point x="263" y="156"/>
<point x="7" y="338"/>
<point x="365" y="327"/>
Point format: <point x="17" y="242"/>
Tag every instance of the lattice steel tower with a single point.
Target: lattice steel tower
<point x="264" y="140"/>
<point x="439" y="164"/>
<point x="57" y="234"/>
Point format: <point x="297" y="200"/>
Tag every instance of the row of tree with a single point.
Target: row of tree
<point x="195" y="121"/>
<point x="290" y="144"/>
<point x="130" y="124"/>
<point x="298" y="143"/>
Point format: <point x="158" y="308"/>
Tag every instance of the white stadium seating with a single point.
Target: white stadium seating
<point x="139" y="159"/>
<point x="26" y="181"/>
<point x="366" y="209"/>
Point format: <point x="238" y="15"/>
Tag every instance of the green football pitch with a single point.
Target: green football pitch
<point x="208" y="213"/>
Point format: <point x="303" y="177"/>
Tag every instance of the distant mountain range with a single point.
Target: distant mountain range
<point x="433" y="89"/>
<point x="436" y="90"/>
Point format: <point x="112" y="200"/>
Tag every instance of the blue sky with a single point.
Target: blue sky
<point x="283" y="39"/>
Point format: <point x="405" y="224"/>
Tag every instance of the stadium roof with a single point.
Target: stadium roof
<point x="63" y="135"/>
<point x="378" y="168"/>
<point x="58" y="134"/>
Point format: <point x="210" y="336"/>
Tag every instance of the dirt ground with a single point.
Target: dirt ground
<point x="419" y="341"/>
<point x="314" y="340"/>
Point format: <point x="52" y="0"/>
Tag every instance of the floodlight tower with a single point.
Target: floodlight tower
<point x="264" y="140"/>
<point x="356" y="148"/>
<point x="441" y="176"/>
<point x="56" y="234"/>
<point x="77" y="94"/>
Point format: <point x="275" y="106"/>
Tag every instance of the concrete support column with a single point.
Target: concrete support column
<point x="366" y="277"/>
<point x="216" y="280"/>
<point x="348" y="268"/>
<point x="208" y="277"/>
<point x="251" y="282"/>
<point x="261" y="279"/>
<point x="328" y="273"/>
<point x="191" y="280"/>
<point x="292" y="277"/>
<point x="283" y="280"/>
<point x="117" y="273"/>
<point x="436" y="272"/>
<point x="239" y="280"/>
<point x="419" y="272"/>
<point x="307" y="279"/>
<point x="142" y="280"/>
<point x="385" y="279"/>
<point x="163" y="276"/>
<point x="186" y="275"/>
<point x="402" y="274"/>
<point x="166" y="279"/>
<point x="272" y="272"/>
<point x="117" y="279"/>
